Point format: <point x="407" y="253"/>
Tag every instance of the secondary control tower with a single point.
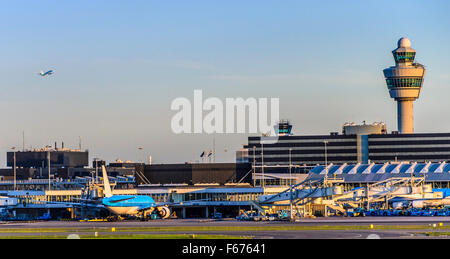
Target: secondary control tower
<point x="404" y="82"/>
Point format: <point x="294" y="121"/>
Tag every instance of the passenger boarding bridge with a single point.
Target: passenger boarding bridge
<point x="357" y="175"/>
<point x="336" y="188"/>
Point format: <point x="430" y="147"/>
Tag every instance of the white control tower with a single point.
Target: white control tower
<point x="404" y="82"/>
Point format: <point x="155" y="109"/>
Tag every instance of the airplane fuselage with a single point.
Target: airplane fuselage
<point x="48" y="73"/>
<point x="128" y="205"/>
<point x="141" y="206"/>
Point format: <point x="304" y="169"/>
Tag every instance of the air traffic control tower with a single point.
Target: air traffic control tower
<point x="404" y="82"/>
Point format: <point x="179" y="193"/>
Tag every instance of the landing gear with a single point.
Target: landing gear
<point x="157" y="214"/>
<point x="114" y="218"/>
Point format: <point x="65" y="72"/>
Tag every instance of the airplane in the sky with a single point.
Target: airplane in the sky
<point x="44" y="74"/>
<point x="137" y="206"/>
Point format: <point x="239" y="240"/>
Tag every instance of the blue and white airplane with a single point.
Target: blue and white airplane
<point x="44" y="74"/>
<point x="131" y="205"/>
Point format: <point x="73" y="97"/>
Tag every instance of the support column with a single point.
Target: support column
<point x="405" y="117"/>
<point x="71" y="211"/>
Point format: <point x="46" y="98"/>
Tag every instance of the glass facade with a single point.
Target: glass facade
<point x="404" y="57"/>
<point x="404" y="82"/>
<point x="219" y="196"/>
<point x="276" y="182"/>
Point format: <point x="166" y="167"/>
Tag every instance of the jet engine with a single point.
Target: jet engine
<point x="164" y="212"/>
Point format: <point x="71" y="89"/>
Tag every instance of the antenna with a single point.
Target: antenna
<point x="79" y="144"/>
<point x="214" y="149"/>
<point x="23" y="141"/>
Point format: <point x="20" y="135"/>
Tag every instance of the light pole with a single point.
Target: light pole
<point x="15" y="176"/>
<point x="96" y="169"/>
<point x="290" y="166"/>
<point x="326" y="175"/>
<point x="49" y="166"/>
<point x="214" y="149"/>
<point x="262" y="164"/>
<point x="140" y="149"/>
<point x="290" y="184"/>
<point x="326" y="161"/>
<point x="254" y="166"/>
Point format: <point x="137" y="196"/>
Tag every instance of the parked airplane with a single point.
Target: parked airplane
<point x="44" y="74"/>
<point x="132" y="205"/>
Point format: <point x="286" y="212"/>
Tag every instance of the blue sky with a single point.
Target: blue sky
<point x="119" y="65"/>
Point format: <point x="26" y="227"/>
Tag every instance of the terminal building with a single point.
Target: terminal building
<point x="357" y="144"/>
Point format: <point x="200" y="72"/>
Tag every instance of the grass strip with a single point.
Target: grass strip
<point x="130" y="236"/>
<point x="218" y="228"/>
<point x="436" y="234"/>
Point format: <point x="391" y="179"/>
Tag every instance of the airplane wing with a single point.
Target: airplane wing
<point x="126" y="199"/>
<point x="76" y="204"/>
<point x="162" y="204"/>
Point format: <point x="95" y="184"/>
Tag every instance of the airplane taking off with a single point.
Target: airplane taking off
<point x="44" y="74"/>
<point x="139" y="206"/>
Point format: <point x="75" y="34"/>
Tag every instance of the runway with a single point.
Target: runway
<point x="324" y="228"/>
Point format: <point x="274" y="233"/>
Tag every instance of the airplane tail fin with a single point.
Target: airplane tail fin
<point x="106" y="186"/>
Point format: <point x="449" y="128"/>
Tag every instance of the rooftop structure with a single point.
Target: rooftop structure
<point x="192" y="174"/>
<point x="364" y="129"/>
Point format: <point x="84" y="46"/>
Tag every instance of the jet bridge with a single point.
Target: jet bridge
<point x="329" y="195"/>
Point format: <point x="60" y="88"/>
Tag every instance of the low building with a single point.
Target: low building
<point x="7" y="174"/>
<point x="41" y="158"/>
<point x="207" y="173"/>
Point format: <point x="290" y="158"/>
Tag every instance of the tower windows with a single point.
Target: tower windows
<point x="404" y="57"/>
<point x="404" y="82"/>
